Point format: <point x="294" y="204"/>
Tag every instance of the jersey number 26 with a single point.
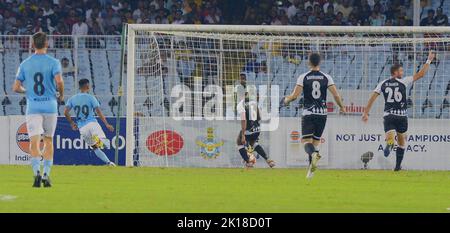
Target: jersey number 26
<point x="393" y="95"/>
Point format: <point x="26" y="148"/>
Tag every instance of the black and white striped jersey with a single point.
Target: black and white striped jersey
<point x="249" y="111"/>
<point x="394" y="92"/>
<point x="315" y="85"/>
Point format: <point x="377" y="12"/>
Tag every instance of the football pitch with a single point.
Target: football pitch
<point x="120" y="189"/>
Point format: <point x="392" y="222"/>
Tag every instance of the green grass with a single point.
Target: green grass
<point x="105" y="189"/>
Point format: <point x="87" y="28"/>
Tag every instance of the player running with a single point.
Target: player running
<point x="84" y="106"/>
<point x="247" y="140"/>
<point x="314" y="85"/>
<point x="396" y="107"/>
<point x="39" y="78"/>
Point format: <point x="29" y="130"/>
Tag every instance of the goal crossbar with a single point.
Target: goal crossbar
<point x="288" y="29"/>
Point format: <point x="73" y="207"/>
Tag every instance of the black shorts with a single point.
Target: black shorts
<point x="313" y="126"/>
<point x="397" y="123"/>
<point x="252" y="138"/>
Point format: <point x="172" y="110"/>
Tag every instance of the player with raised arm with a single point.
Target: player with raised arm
<point x="39" y="78"/>
<point x="247" y="140"/>
<point x="396" y="107"/>
<point x="314" y="85"/>
<point x="84" y="106"/>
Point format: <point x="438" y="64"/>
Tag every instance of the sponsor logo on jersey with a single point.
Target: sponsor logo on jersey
<point x="209" y="147"/>
<point x="165" y="142"/>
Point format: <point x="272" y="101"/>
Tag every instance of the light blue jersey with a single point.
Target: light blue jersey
<point x="37" y="75"/>
<point x="83" y="105"/>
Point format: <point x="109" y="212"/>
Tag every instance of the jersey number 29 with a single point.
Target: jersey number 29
<point x="81" y="109"/>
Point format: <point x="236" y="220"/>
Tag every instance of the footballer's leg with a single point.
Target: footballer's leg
<point x="400" y="151"/>
<point x="390" y="141"/>
<point x="241" y="149"/>
<point x="49" y="125"/>
<point x="319" y="127"/>
<point x="35" y="152"/>
<point x="35" y="129"/>
<point x="98" y="137"/>
<point x="307" y="136"/>
<point x="260" y="150"/>
<point x="402" y="128"/>
<point x="389" y="128"/>
<point x="48" y="160"/>
<point x="315" y="157"/>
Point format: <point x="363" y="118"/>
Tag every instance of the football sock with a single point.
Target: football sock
<point x="309" y="149"/>
<point x="399" y="154"/>
<point x="36" y="165"/>
<point x="101" y="155"/>
<point x="390" y="143"/>
<point x="48" y="166"/>
<point x="243" y="153"/>
<point x="261" y="152"/>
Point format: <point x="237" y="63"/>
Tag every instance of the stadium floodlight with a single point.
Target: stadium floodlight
<point x="172" y="71"/>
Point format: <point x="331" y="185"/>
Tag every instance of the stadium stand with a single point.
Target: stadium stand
<point x="97" y="58"/>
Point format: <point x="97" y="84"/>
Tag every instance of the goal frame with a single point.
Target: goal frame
<point x="132" y="28"/>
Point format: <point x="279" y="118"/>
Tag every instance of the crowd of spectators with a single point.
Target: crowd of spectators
<point x="97" y="17"/>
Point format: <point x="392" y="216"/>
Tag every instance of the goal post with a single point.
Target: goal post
<point x="184" y="82"/>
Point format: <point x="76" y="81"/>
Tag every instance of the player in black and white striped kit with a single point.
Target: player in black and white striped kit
<point x="396" y="107"/>
<point x="314" y="84"/>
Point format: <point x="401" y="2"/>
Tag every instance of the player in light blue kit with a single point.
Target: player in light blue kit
<point x="39" y="78"/>
<point x="84" y="106"/>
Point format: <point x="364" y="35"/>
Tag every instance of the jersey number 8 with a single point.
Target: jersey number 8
<point x="38" y="87"/>
<point x="393" y="93"/>
<point x="316" y="90"/>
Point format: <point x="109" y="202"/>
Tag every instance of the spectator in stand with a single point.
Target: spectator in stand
<point x="441" y="19"/>
<point x="71" y="19"/>
<point x="345" y="8"/>
<point x="429" y="20"/>
<point x="294" y="9"/>
<point x="328" y="3"/>
<point x="137" y="13"/>
<point x="46" y="15"/>
<point x="80" y="27"/>
<point x="312" y="3"/>
<point x="376" y="18"/>
<point x="116" y="5"/>
<point x="329" y="15"/>
<point x="178" y="17"/>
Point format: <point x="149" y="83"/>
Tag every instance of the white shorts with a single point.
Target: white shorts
<point x="41" y="124"/>
<point x="90" y="130"/>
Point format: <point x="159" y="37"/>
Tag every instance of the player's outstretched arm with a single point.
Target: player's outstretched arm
<point x="425" y="67"/>
<point x="293" y="96"/>
<point x="103" y="119"/>
<point x="372" y="99"/>
<point x="69" y="118"/>
<point x="337" y="98"/>
<point x="18" y="88"/>
<point x="60" y="86"/>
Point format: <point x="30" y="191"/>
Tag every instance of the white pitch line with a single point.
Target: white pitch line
<point x="6" y="197"/>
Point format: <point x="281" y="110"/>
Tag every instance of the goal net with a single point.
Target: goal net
<point x="184" y="82"/>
